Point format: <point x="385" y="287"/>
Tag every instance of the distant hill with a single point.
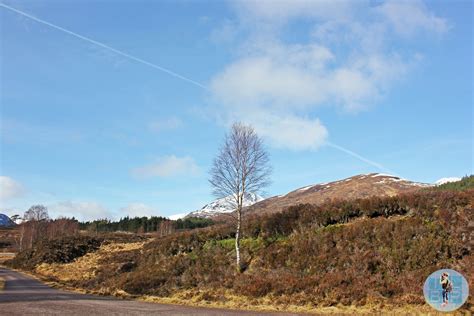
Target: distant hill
<point x="5" y="221"/>
<point x="223" y="206"/>
<point x="359" y="186"/>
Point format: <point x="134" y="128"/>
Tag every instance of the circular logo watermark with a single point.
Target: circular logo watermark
<point x="446" y="290"/>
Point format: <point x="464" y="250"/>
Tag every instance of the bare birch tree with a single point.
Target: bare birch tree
<point x="34" y="221"/>
<point x="241" y="167"/>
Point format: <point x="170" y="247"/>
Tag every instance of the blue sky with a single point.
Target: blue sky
<point x="92" y="132"/>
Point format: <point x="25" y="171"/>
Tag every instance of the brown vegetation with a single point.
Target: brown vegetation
<point x="356" y="187"/>
<point x="33" y="231"/>
<point x="377" y="250"/>
<point x="8" y="239"/>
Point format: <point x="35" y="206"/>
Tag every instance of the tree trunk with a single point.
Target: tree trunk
<point x="22" y="234"/>
<point x="237" y="238"/>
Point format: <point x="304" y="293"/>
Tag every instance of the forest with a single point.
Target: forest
<point x="144" y="224"/>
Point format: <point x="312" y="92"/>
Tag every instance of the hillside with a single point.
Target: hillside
<point x="371" y="254"/>
<point x="359" y="186"/>
<point x="5" y="221"/>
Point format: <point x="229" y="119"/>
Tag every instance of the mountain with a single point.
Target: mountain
<point x="447" y="180"/>
<point x="360" y="186"/>
<point x="224" y="205"/>
<point x="5" y="221"/>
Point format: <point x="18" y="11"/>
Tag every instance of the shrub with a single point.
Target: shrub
<point x="61" y="250"/>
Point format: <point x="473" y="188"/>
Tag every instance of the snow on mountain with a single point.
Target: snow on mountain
<point x="447" y="180"/>
<point x="175" y="217"/>
<point x="5" y="221"/>
<point x="355" y="187"/>
<point x="224" y="205"/>
<point x="358" y="186"/>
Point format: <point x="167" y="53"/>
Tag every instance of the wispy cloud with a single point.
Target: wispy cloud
<point x="410" y="17"/>
<point x="347" y="61"/>
<point x="277" y="86"/>
<point x="104" y="46"/>
<point x="161" y="125"/>
<point x="82" y="210"/>
<point x="167" y="167"/>
<point x="138" y="210"/>
<point x="361" y="158"/>
<point x="10" y="188"/>
<point x="14" y="131"/>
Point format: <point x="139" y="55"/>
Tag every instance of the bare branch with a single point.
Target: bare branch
<point x="241" y="166"/>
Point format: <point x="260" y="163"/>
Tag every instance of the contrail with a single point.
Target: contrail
<point x="118" y="52"/>
<point x="356" y="155"/>
<point x="170" y="72"/>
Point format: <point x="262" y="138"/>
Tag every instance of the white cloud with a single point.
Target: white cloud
<point x="283" y="10"/>
<point x="138" y="210"/>
<point x="410" y="17"/>
<point x="10" y="188"/>
<point x="348" y="60"/>
<point x="285" y="131"/>
<point x="226" y="33"/>
<point x="293" y="132"/>
<point x="167" y="167"/>
<point x="82" y="210"/>
<point x="268" y="80"/>
<point x="170" y="123"/>
<point x="295" y="77"/>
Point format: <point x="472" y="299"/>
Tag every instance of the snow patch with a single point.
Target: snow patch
<point x="224" y="205"/>
<point x="383" y="175"/>
<point x="305" y="188"/>
<point x="175" y="217"/>
<point x="447" y="180"/>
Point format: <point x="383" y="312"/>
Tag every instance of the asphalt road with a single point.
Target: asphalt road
<point x="24" y="295"/>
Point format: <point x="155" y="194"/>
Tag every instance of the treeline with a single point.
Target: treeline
<point x="126" y="224"/>
<point x="32" y="231"/>
<point x="37" y="226"/>
<point x="145" y="224"/>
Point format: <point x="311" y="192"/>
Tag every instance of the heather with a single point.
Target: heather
<point x="376" y="250"/>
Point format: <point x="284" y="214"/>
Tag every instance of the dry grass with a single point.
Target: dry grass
<point x="229" y="300"/>
<point x="6" y="256"/>
<point x="211" y="298"/>
<point x="85" y="267"/>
